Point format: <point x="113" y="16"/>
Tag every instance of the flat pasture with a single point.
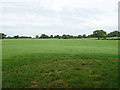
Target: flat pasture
<point x="59" y="63"/>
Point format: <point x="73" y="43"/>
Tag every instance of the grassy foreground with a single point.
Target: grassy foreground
<point x="79" y="63"/>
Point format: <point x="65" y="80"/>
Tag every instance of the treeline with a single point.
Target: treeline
<point x="100" y="34"/>
<point x="64" y="36"/>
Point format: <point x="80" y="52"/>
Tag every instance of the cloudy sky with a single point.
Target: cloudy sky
<point x="31" y="17"/>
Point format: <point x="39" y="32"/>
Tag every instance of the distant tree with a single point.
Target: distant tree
<point x="114" y="34"/>
<point x="66" y="36"/>
<point x="17" y="36"/>
<point x="44" y="36"/>
<point x="99" y="34"/>
<point x="2" y="36"/>
<point x="57" y="36"/>
<point x="9" y="37"/>
<point x="25" y="37"/>
<point x="36" y="36"/>
<point x="90" y="36"/>
<point x="51" y="36"/>
<point x="84" y="36"/>
<point x="71" y="36"/>
<point x="75" y="37"/>
<point x="79" y="36"/>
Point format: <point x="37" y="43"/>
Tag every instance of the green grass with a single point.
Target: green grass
<point x="0" y="63"/>
<point x="58" y="63"/>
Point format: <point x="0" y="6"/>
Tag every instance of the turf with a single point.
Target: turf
<point x="60" y="63"/>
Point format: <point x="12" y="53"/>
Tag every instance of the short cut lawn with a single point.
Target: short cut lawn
<point x="60" y="63"/>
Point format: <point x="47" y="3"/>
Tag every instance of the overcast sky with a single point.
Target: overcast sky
<point x="31" y="17"/>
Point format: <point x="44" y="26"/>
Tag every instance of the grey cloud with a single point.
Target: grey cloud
<point x="32" y="9"/>
<point x="57" y="18"/>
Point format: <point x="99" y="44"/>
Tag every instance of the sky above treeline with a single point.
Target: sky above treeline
<point x="74" y="17"/>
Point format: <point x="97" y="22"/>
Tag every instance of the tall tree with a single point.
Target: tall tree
<point x="90" y="36"/>
<point x="99" y="34"/>
<point x="57" y="36"/>
<point x="65" y="36"/>
<point x="114" y="34"/>
<point x="44" y="36"/>
<point x="36" y="36"/>
<point x="2" y="36"/>
<point x="84" y="36"/>
<point x="79" y="36"/>
<point x="17" y="36"/>
<point x="51" y="36"/>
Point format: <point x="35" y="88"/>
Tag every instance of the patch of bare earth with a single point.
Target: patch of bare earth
<point x="84" y="65"/>
<point x="70" y="60"/>
<point x="82" y="61"/>
<point x="34" y="84"/>
<point x="59" y="80"/>
<point x="116" y="60"/>
<point x="91" y="72"/>
<point x="60" y="83"/>
<point x="56" y="72"/>
<point x="98" y="60"/>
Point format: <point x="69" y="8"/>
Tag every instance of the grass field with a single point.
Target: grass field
<point x="49" y="63"/>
